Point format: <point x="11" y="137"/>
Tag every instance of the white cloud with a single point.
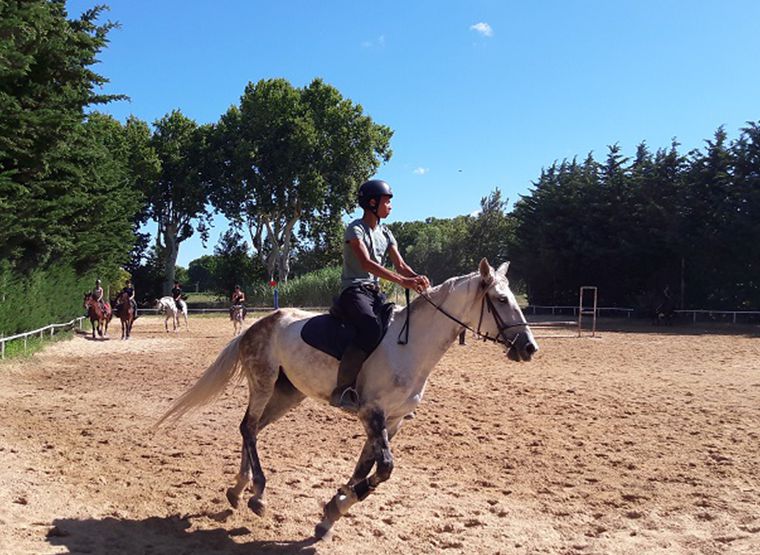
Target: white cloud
<point x="379" y="43"/>
<point x="483" y="28"/>
<point x="420" y="171"/>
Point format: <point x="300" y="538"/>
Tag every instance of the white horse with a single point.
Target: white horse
<point x="167" y="306"/>
<point x="238" y="316"/>
<point x="281" y="370"/>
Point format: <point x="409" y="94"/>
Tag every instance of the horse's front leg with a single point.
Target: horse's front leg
<point x="376" y="451"/>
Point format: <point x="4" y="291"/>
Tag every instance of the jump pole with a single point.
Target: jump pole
<point x="583" y="310"/>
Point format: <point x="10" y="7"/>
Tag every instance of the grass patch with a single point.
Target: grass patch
<point x="203" y="298"/>
<point x="15" y="348"/>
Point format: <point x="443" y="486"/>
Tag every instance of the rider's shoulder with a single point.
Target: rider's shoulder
<point x="356" y="230"/>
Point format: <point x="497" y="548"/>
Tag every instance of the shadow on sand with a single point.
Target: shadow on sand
<point x="161" y="535"/>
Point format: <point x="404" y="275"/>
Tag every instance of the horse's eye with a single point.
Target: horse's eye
<point x="503" y="300"/>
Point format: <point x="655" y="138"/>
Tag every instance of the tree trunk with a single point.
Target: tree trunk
<point x="170" y="253"/>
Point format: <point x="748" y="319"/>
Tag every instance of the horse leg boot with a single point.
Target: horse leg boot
<point x="377" y="435"/>
<point x="345" y="396"/>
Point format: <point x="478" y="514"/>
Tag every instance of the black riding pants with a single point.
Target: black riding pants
<point x="361" y="306"/>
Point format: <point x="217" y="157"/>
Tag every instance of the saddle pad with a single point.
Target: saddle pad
<point x="328" y="334"/>
<point x="331" y="335"/>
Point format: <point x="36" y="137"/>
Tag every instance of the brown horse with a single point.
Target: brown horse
<point x="96" y="313"/>
<point x="126" y="314"/>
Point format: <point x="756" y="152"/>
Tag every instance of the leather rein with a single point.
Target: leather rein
<point x="485" y="302"/>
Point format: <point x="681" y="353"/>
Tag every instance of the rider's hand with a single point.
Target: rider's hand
<point x="417" y="283"/>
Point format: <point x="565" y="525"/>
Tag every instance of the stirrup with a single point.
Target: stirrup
<point x="348" y="400"/>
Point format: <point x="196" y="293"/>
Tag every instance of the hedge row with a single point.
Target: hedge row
<point x="44" y="296"/>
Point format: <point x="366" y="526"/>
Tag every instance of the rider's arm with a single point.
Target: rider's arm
<point x="409" y="282"/>
<point x="403" y="268"/>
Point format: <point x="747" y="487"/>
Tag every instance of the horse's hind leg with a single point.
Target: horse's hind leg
<point x="284" y="397"/>
<point x="376" y="451"/>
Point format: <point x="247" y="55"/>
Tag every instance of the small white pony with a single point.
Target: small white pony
<point x="170" y="308"/>
<point x="238" y="317"/>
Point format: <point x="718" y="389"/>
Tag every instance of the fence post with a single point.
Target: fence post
<point x="2" y="347"/>
<point x="25" y="342"/>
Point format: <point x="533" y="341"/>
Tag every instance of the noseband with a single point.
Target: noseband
<point x="485" y="302"/>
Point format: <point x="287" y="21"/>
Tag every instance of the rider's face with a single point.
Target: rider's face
<point x="384" y="207"/>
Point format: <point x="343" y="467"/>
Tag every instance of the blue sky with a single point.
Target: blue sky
<point x="495" y="89"/>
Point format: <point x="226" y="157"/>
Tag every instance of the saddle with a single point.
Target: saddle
<point x="331" y="334"/>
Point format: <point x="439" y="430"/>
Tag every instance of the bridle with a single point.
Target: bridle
<point x="485" y="304"/>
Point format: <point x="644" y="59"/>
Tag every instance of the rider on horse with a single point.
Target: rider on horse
<point x="130" y="291"/>
<point x="97" y="294"/>
<point x="177" y="294"/>
<point x="367" y="243"/>
<point x="237" y="299"/>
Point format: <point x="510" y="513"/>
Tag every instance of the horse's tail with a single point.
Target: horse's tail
<point x="210" y="385"/>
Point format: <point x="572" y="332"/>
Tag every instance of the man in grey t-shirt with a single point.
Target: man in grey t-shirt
<point x="367" y="243"/>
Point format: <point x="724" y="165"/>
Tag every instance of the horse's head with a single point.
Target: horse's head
<point x="501" y="316"/>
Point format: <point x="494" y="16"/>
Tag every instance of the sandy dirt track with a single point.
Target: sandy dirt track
<point x="632" y="442"/>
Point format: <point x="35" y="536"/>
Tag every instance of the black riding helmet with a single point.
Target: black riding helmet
<point x="373" y="189"/>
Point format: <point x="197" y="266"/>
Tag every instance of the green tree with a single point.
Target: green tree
<point x="178" y="194"/>
<point x="202" y="272"/>
<point x="490" y="233"/>
<point x="286" y="157"/>
<point x="46" y="81"/>
<point x="233" y="264"/>
<point x="745" y="224"/>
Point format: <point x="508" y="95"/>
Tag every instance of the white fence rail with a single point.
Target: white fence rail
<point x="559" y="310"/>
<point x="40" y="332"/>
<point x="710" y="315"/>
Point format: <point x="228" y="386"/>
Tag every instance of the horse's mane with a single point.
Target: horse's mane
<point x="443" y="289"/>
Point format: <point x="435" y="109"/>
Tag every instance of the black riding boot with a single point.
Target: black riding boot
<point x="345" y="396"/>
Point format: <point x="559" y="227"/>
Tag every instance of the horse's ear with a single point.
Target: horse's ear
<point x="503" y="269"/>
<point x="486" y="272"/>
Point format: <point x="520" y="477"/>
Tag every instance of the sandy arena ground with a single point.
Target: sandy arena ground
<point x="635" y="442"/>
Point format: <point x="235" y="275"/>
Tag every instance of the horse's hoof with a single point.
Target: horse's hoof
<point x="232" y="498"/>
<point x="322" y="532"/>
<point x="257" y="506"/>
